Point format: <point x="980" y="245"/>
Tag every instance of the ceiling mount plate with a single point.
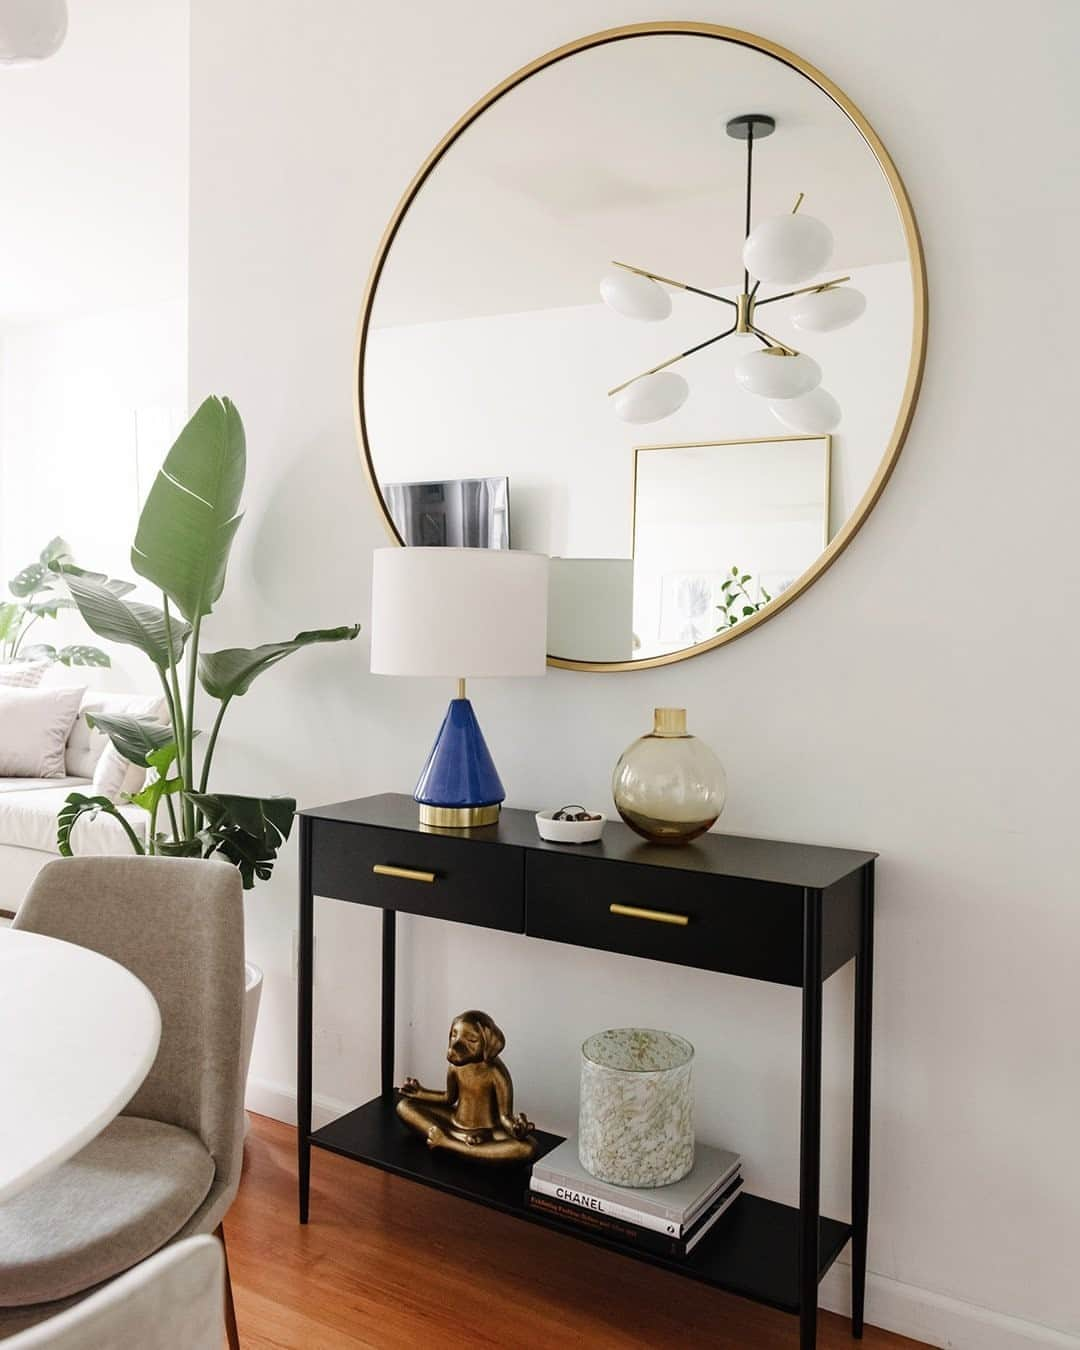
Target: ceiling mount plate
<point x="758" y="125"/>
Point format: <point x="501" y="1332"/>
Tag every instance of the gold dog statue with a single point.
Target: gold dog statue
<point x="475" y="1115"/>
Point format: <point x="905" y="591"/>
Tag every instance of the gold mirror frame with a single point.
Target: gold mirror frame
<point x="919" y="306"/>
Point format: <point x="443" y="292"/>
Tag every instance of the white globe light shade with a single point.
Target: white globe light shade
<point x="634" y="296"/>
<point x="31" y="30"/>
<point x="652" y="397"/>
<point x="771" y="373"/>
<point x="813" y="414"/>
<point x="822" y="311"/>
<point x="785" y="250"/>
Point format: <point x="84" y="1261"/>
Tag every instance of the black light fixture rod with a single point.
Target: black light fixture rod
<point x="672" y="360"/>
<point x="749" y="187"/>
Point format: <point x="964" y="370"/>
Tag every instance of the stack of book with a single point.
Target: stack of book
<point x="667" y="1220"/>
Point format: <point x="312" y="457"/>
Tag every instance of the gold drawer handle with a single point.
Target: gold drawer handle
<point x="657" y="915"/>
<point x="406" y="873"/>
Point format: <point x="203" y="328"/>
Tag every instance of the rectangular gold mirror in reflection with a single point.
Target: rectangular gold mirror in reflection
<point x="720" y="529"/>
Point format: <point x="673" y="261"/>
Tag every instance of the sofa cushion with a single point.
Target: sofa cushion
<point x="122" y="1198"/>
<point x="34" y="727"/>
<point x="28" y="819"/>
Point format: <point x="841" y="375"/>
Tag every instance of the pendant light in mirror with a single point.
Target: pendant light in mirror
<point x="824" y="311"/>
<point x="813" y="414"/>
<point x="781" y="250"/>
<point x="31" y="30"/>
<point x="777" y="372"/>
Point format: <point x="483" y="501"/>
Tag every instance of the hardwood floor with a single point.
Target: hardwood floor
<point x="388" y="1264"/>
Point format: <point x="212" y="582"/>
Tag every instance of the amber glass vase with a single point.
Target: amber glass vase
<point x="668" y="785"/>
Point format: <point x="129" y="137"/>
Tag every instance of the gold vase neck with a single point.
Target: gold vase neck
<point x="669" y="722"/>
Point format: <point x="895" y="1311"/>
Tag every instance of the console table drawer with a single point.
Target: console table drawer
<point x="741" y="927"/>
<point x="441" y="877"/>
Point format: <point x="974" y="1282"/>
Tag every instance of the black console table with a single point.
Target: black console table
<point x="789" y="913"/>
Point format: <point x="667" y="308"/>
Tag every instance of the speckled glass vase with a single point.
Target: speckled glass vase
<point x="636" y="1116"/>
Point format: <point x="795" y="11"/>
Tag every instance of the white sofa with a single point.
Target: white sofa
<point x="29" y="806"/>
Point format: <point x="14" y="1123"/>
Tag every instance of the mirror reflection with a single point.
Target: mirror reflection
<point x="601" y="298"/>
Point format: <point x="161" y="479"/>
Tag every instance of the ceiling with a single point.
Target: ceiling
<point x="94" y="159"/>
<point x="620" y="152"/>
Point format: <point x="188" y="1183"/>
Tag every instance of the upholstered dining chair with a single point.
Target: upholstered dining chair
<point x="169" y="1165"/>
<point x="170" y="1300"/>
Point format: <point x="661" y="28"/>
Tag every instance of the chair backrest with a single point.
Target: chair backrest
<point x="175" y="1298"/>
<point x="178" y="925"/>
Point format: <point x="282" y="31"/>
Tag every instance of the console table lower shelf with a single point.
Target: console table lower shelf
<point x="753" y="1251"/>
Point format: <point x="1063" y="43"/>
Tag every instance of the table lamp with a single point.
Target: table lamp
<point x="459" y="612"/>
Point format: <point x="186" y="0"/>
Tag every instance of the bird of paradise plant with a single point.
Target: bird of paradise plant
<point x="182" y="546"/>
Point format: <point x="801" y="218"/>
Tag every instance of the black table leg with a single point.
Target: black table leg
<point x="389" y="984"/>
<point x="810" y="1134"/>
<point x="303" y="1028"/>
<point x="860" y="1116"/>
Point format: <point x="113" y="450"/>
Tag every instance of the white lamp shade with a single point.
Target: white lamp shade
<point x="785" y="250"/>
<point x="822" y="311"/>
<point x="31" y="30"/>
<point x="652" y="397"/>
<point x="458" y="612"/>
<point x="813" y="414"/>
<point x="634" y="296"/>
<point x="771" y="373"/>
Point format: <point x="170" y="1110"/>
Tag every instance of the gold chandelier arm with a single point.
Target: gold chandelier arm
<point x="671" y="361"/>
<point x="670" y="281"/>
<point x="803" y="290"/>
<point x="773" y="342"/>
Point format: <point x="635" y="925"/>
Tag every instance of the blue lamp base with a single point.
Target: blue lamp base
<point x="459" y="786"/>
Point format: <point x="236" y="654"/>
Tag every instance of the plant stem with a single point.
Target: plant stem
<point x="189" y="743"/>
<point x="172" y="721"/>
<point x="180" y="730"/>
<point x="21" y="634"/>
<point x="129" y="831"/>
<point x="205" y="779"/>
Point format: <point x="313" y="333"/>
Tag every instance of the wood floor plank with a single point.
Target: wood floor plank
<point x="386" y="1264"/>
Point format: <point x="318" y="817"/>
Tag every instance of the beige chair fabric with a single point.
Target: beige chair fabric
<point x="173" y="1301"/>
<point x="177" y="924"/>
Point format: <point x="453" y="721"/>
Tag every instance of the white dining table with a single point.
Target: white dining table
<point x="78" y="1034"/>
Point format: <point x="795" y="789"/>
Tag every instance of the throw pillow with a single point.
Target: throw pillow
<point x="34" y="727"/>
<point x="86" y="745"/>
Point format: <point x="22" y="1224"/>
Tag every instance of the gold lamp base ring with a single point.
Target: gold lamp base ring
<point x="458" y="817"/>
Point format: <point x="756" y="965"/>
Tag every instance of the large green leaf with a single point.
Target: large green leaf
<point x="136" y="738"/>
<point x="79" y="654"/>
<point x="119" y="620"/>
<point x="229" y="673"/>
<point x="77" y="805"/>
<point x="30" y="580"/>
<point x="248" y="831"/>
<point x="193" y="510"/>
<point x="10" y="617"/>
<point x="57" y="550"/>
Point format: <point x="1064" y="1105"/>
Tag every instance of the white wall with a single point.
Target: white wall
<point x="919" y="700"/>
<point x="88" y="406"/>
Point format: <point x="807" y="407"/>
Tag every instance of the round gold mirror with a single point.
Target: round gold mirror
<point x="656" y="307"/>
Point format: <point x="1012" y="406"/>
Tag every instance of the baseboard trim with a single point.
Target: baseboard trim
<point x="948" y="1323"/>
<point x="937" y="1319"/>
<point x="279" y="1103"/>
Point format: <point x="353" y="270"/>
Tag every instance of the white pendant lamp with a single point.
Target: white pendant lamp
<point x="813" y="414"/>
<point x="780" y="251"/>
<point x="775" y="372"/>
<point x="824" y="311"/>
<point x="634" y="296"/>
<point x="652" y="397"/>
<point x="31" y="30"/>
<point x="785" y="250"/>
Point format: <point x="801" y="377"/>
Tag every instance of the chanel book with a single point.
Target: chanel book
<point x="646" y="1239"/>
<point x="674" y="1208"/>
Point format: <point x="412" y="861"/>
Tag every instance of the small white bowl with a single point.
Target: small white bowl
<point x="569" y="831"/>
